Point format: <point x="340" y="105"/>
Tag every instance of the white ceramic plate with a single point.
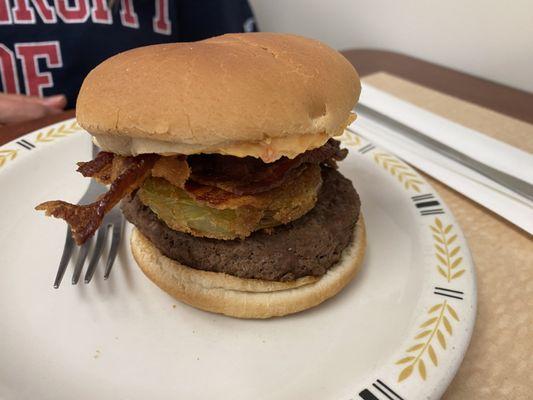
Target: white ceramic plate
<point x="398" y="331"/>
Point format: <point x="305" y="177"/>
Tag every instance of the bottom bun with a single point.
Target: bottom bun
<point x="250" y="298"/>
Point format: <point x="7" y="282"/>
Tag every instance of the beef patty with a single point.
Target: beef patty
<point x="307" y="246"/>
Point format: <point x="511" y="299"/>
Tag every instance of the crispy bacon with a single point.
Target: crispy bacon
<point x="84" y="220"/>
<point x="239" y="176"/>
<point x="221" y="181"/>
<point x="173" y="169"/>
<point x="212" y="195"/>
<point x="105" y="168"/>
<point x="249" y="175"/>
<point x="100" y="168"/>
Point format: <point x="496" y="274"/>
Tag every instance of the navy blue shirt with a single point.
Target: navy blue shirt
<point x="47" y="47"/>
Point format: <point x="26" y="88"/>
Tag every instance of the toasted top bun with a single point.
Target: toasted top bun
<point x="265" y="95"/>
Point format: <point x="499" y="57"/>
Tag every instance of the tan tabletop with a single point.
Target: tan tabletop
<point x="499" y="362"/>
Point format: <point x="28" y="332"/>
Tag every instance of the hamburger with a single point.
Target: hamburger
<point x="223" y="156"/>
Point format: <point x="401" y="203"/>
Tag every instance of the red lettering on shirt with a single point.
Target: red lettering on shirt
<point x="29" y="53"/>
<point x="46" y="12"/>
<point x="128" y="16"/>
<point x="22" y="13"/>
<point x="100" y="12"/>
<point x="77" y="13"/>
<point x="5" y="13"/>
<point x="8" y="73"/>
<point x="161" y="21"/>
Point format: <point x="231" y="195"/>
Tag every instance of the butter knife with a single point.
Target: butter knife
<point x="512" y="183"/>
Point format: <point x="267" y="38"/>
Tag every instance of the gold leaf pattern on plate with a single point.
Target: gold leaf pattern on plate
<point x="58" y="132"/>
<point x="441" y="339"/>
<point x="6" y="155"/>
<point x="350" y="139"/>
<point x="458" y="274"/>
<point x="406" y="372"/>
<point x="43" y="136"/>
<point x="428" y="322"/>
<point x="405" y="360"/>
<point x="438" y="239"/>
<point x="400" y="170"/>
<point x="452" y="312"/>
<point x="440" y="249"/>
<point x="441" y="259"/>
<point x="415" y="347"/>
<point x="423" y="334"/>
<point x="451" y="240"/>
<point x="456" y="262"/>
<point x="447" y="256"/>
<point x="454" y="251"/>
<point x="447" y="325"/>
<point x="436" y="307"/>
<point x="438" y="318"/>
<point x="422" y="369"/>
<point x="433" y="355"/>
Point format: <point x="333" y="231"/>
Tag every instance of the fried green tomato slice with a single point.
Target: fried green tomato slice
<point x="184" y="212"/>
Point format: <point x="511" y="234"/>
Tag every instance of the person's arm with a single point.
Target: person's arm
<point x="18" y="108"/>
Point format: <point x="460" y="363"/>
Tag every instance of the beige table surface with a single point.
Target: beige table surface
<point x="499" y="361"/>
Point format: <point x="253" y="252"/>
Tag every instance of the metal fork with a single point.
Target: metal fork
<point x="113" y="220"/>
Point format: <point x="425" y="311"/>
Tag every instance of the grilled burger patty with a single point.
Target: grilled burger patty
<point x="307" y="246"/>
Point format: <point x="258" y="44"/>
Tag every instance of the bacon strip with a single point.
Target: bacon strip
<point x="308" y="176"/>
<point x="240" y="176"/>
<point x="84" y="220"/>
<point x="249" y="175"/>
<point x="99" y="168"/>
<point x="212" y="195"/>
<point x="173" y="169"/>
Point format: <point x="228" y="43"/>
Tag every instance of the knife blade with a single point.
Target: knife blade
<point x="512" y="183"/>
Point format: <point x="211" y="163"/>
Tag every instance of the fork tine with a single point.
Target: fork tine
<point x="65" y="258"/>
<point x="82" y="255"/>
<point x="115" y="241"/>
<point x="100" y="239"/>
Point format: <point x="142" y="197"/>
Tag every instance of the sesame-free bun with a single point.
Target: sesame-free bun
<point x="259" y="94"/>
<point x="246" y="298"/>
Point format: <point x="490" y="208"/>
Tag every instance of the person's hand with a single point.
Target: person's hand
<point x="18" y="108"/>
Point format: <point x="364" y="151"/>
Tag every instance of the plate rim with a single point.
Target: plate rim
<point x="401" y="385"/>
